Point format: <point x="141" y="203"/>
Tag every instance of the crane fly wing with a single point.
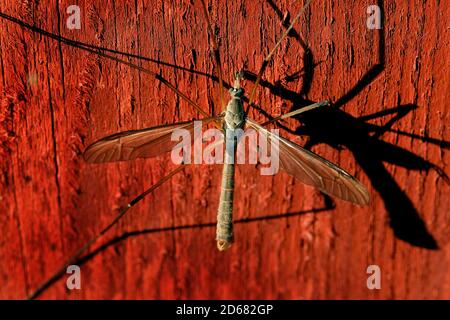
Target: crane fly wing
<point x="132" y="144"/>
<point x="314" y="170"/>
<point x="144" y="143"/>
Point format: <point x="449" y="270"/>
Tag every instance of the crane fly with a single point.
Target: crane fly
<point x="303" y="164"/>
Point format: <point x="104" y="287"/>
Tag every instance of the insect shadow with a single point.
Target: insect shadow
<point x="124" y="236"/>
<point x="338" y="129"/>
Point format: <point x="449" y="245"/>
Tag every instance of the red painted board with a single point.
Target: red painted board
<point x="388" y="126"/>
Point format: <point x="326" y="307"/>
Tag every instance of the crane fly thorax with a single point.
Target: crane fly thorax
<point x="234" y="113"/>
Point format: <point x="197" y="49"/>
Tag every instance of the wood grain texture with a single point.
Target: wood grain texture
<point x="291" y="242"/>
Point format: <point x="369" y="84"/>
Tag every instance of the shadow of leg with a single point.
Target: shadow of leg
<point x="404" y="218"/>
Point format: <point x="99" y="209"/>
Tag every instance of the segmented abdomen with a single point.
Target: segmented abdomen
<point x="224" y="235"/>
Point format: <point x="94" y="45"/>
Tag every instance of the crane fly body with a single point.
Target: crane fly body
<point x="304" y="165"/>
<point x="295" y="160"/>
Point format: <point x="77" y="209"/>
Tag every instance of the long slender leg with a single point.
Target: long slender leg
<point x="298" y="111"/>
<point x="214" y="53"/>
<point x="99" y="52"/>
<point x="77" y="255"/>
<point x="272" y="52"/>
<point x="156" y="76"/>
<point x="78" y="44"/>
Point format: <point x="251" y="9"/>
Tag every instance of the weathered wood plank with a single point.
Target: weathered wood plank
<point x="286" y="245"/>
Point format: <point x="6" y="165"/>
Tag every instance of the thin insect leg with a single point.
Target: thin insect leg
<point x="272" y="52"/>
<point x="102" y="54"/>
<point x="78" y="44"/>
<point x="153" y="74"/>
<point x="215" y="53"/>
<point x="77" y="256"/>
<point x="298" y="111"/>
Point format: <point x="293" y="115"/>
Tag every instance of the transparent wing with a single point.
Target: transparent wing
<point x="145" y="143"/>
<point x="314" y="170"/>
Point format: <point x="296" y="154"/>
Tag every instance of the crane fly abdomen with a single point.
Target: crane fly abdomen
<point x="234" y="120"/>
<point x="224" y="231"/>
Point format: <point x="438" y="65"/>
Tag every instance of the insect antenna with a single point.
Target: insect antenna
<point x="78" y="255"/>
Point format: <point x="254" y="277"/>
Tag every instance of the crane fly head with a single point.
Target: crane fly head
<point x="236" y="92"/>
<point x="238" y="76"/>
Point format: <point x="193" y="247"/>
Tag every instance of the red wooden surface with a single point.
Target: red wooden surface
<point x="290" y="241"/>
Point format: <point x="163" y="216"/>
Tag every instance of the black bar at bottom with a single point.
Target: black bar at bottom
<point x="223" y="309"/>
